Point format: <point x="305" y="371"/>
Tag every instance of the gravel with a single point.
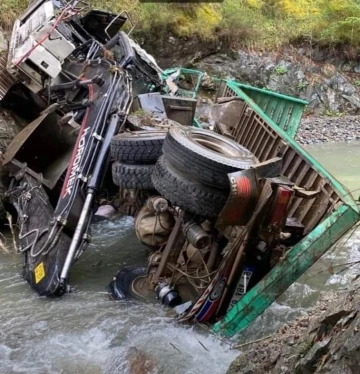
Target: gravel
<point x="316" y="130"/>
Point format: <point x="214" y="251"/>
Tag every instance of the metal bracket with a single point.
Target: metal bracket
<point x="83" y="178"/>
<point x="97" y="136"/>
<point x="119" y="15"/>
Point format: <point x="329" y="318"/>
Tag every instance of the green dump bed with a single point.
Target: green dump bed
<point x="326" y="217"/>
<point x="284" y="111"/>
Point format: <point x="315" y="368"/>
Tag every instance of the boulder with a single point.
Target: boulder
<point x="327" y="87"/>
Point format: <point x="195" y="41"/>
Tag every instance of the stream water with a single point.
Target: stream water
<point x="86" y="332"/>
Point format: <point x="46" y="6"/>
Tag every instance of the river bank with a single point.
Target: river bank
<point x="324" y="129"/>
<point x="326" y="339"/>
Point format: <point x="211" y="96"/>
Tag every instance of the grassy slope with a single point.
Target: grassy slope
<point x="259" y="24"/>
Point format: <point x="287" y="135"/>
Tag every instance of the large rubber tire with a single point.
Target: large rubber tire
<point x="137" y="177"/>
<point x="187" y="193"/>
<point x="206" y="156"/>
<point x="121" y="285"/>
<point x="139" y="147"/>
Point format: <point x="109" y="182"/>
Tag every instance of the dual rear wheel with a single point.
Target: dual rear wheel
<point x="188" y="166"/>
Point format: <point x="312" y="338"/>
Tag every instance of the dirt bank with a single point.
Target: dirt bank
<point x="326" y="340"/>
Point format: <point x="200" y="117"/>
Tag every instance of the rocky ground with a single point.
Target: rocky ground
<point x="314" y="130"/>
<point x="326" y="341"/>
<point x="330" y="86"/>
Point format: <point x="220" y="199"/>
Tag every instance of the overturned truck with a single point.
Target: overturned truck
<point x="231" y="216"/>
<point x="78" y="70"/>
<point x="240" y="213"/>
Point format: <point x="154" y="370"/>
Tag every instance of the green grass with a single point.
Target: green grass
<point x="9" y="9"/>
<point x="254" y="24"/>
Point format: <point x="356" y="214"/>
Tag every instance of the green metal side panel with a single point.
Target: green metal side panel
<point x="196" y="74"/>
<point x="196" y="123"/>
<point x="285" y="111"/>
<point x="298" y="260"/>
<point x="340" y="189"/>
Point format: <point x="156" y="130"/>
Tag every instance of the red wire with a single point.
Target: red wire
<point x="45" y="37"/>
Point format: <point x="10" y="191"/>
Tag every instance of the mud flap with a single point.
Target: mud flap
<point x="244" y="192"/>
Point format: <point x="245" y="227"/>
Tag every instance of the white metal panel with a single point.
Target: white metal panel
<point x="56" y="44"/>
<point x="45" y="61"/>
<point x="21" y="40"/>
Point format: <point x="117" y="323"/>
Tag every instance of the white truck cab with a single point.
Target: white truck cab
<point x="37" y="46"/>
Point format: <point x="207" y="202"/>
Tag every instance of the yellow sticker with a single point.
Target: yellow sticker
<point x="39" y="272"/>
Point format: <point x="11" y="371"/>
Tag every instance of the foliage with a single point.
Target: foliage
<point x="333" y="113"/>
<point x="261" y="24"/>
<point x="280" y="70"/>
<point x="301" y="85"/>
<point x="9" y="9"/>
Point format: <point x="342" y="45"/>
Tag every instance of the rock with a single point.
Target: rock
<point x="357" y="69"/>
<point x="353" y="100"/>
<point x="140" y="362"/>
<point x="330" y="345"/>
<point x="314" y="130"/>
<point x="290" y="341"/>
<point x="227" y="113"/>
<point x="274" y="357"/>
<point x="322" y="85"/>
<point x="9" y="128"/>
<point x="208" y="83"/>
<point x="309" y="363"/>
<point x="172" y="40"/>
<point x="328" y="70"/>
<point x="105" y="211"/>
<point x="346" y="68"/>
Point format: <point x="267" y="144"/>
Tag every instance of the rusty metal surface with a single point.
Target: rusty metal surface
<point x="6" y="80"/>
<point x="180" y="109"/>
<point x="44" y="147"/>
<point x="174" y="236"/>
<point x="20" y="139"/>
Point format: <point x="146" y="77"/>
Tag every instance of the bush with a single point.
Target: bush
<point x="261" y="24"/>
<point x="9" y="9"/>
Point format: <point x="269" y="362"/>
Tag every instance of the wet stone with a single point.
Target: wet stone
<point x="309" y="362"/>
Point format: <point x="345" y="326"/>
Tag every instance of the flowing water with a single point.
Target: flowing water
<point x="85" y="332"/>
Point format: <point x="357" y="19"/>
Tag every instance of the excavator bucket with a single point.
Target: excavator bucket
<point x="43" y="149"/>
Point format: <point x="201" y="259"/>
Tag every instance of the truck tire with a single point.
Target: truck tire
<point x="136" y="177"/>
<point x="206" y="156"/>
<point x="187" y="193"/>
<point x="139" y="147"/>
